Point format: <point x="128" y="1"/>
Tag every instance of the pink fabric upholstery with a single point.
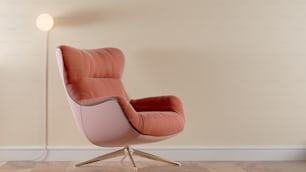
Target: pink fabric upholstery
<point x="94" y="75"/>
<point x="166" y="112"/>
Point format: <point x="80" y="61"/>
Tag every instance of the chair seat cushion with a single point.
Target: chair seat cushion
<point x="159" y="116"/>
<point x="160" y="123"/>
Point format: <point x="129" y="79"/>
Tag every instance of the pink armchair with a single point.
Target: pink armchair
<point x="104" y="112"/>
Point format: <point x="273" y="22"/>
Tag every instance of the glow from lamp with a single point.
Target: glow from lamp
<point x="44" y="22"/>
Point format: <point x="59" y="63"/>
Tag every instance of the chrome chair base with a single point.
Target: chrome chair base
<point x="127" y="151"/>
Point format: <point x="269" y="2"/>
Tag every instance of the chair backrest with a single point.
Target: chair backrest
<point x="93" y="73"/>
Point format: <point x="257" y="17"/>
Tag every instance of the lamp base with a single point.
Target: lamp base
<point x="127" y="151"/>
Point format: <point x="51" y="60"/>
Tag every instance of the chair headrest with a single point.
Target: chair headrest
<point x="92" y="63"/>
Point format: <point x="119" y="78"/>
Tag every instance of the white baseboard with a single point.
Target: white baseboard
<point x="178" y="153"/>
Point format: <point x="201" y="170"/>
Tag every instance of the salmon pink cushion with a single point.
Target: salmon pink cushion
<point x="166" y="112"/>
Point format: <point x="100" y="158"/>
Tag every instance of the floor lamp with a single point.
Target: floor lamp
<point x="45" y="22"/>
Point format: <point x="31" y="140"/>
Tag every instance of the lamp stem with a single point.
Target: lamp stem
<point x="44" y="155"/>
<point x="46" y="90"/>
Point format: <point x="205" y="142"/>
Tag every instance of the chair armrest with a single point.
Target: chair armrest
<point x="160" y="103"/>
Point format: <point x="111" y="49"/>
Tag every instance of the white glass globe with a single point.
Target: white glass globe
<point x="44" y="22"/>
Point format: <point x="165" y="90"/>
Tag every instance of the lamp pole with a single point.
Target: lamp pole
<point x="45" y="23"/>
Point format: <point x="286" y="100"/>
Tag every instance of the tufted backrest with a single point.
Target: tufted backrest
<point x="93" y="73"/>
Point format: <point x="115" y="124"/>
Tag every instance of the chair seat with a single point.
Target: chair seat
<point x="157" y="123"/>
<point x="159" y="116"/>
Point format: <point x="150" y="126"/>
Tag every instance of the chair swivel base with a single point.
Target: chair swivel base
<point x="127" y="151"/>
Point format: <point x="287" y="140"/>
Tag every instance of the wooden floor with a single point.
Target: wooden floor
<point x="149" y="166"/>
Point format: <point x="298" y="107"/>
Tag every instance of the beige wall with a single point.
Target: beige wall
<point x="239" y="66"/>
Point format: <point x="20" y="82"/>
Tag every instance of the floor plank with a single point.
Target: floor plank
<point x="150" y="166"/>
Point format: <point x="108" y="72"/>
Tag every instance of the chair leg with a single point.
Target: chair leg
<point x="103" y="157"/>
<point x="154" y="157"/>
<point x="130" y="153"/>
